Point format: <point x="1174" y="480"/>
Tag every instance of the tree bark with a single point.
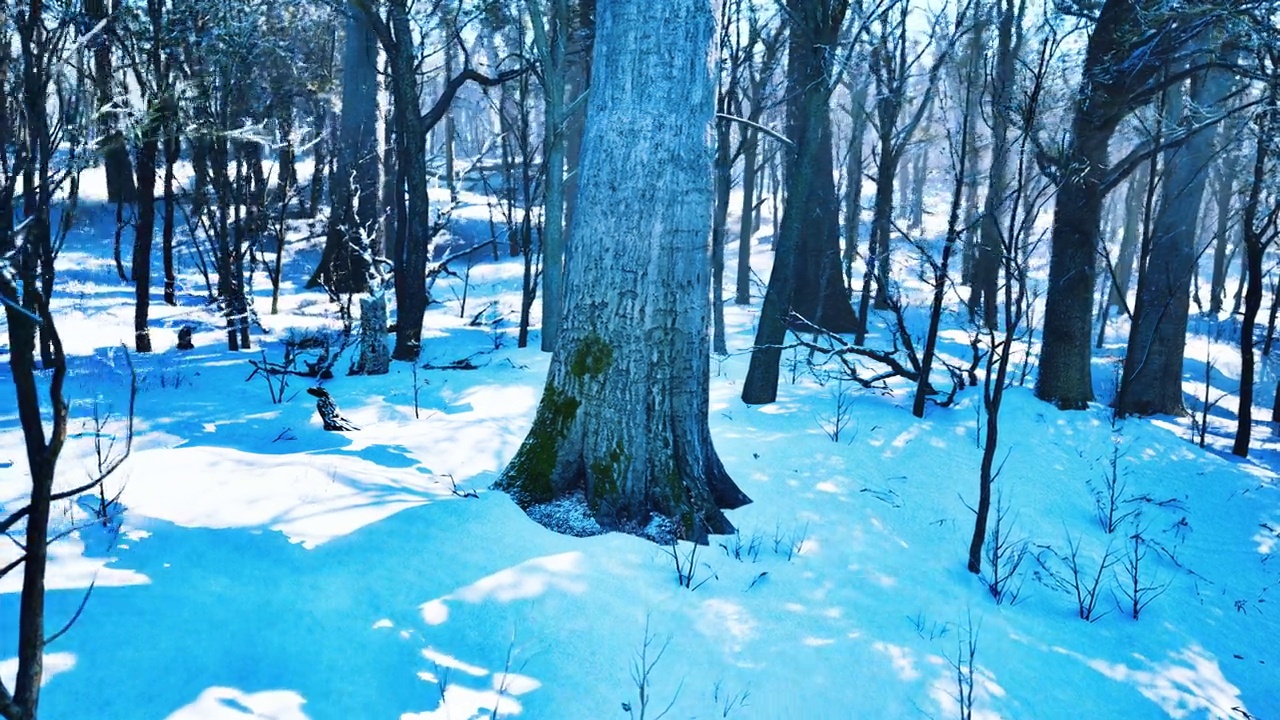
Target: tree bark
<point x="818" y="290"/>
<point x="1120" y="40"/>
<point x="853" y="171"/>
<point x="1152" y="379"/>
<point x="1257" y="237"/>
<point x="549" y="37"/>
<point x="984" y="270"/>
<point x="750" y="151"/>
<point x="720" y="230"/>
<point x="638" y="309"/>
<point x="1222" y="230"/>
<point x="353" y="212"/>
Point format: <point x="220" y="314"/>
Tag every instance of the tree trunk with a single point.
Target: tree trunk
<point x="320" y="156"/>
<point x="818" y="290"/>
<point x="877" y="266"/>
<point x="550" y="40"/>
<point x="450" y="131"/>
<point x="172" y="153"/>
<point x="353" y="212"/>
<point x="578" y="53"/>
<point x="804" y="171"/>
<point x="374" y="358"/>
<point x="638" y="309"/>
<point x="144" y="232"/>
<point x="1152" y="379"/>
<point x="111" y="141"/>
<point x="411" y="263"/>
<point x="940" y="277"/>
<point x="719" y="231"/>
<point x="974" y="79"/>
<point x="1256" y="239"/>
<point x="853" y="169"/>
<point x="919" y="178"/>
<point x="984" y="271"/>
<point x="1222" y="232"/>
<point x="751" y="143"/>
<point x="1121" y="37"/>
<point x="391" y="189"/>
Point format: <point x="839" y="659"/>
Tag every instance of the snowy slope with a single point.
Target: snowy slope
<point x="268" y="569"/>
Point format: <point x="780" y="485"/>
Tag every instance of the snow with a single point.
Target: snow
<point x="263" y="568"/>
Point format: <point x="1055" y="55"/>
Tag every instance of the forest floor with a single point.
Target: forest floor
<point x="256" y="566"/>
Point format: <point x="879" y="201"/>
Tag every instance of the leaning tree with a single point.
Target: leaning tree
<point x="623" y="418"/>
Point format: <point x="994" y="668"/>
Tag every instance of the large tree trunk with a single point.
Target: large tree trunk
<point x="111" y="141"/>
<point x="1152" y="379"/>
<point x="818" y="292"/>
<point x="1121" y="37"/>
<point x="811" y="145"/>
<point x="353" y="213"/>
<point x="637" y="309"/>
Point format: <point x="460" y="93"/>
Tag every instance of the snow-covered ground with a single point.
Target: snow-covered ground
<point x="265" y="568"/>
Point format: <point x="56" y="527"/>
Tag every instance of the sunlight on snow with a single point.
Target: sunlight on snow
<point x="54" y="664"/>
<point x="527" y="580"/>
<point x="224" y="703"/>
<point x="69" y="569"/>
<point x="459" y="701"/>
<point x="443" y="660"/>
<point x="1267" y="537"/>
<point x="1188" y="683"/>
<point x="812" y="641"/>
<point x="905" y="437"/>
<point x="901" y="658"/>
<point x="310" y="498"/>
<point x="943" y="691"/>
<point x="465" y="702"/>
<point x="727" y="622"/>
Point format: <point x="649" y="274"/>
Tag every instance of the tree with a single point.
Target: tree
<point x="818" y="290"/>
<point x="549" y="37"/>
<point x="759" y="74"/>
<point x="1131" y="45"/>
<point x="46" y="40"/>
<point x="623" y="417"/>
<point x="111" y="140"/>
<point x="960" y="150"/>
<point x="892" y="64"/>
<point x="1006" y="228"/>
<point x="806" y="278"/>
<point x="353" y="213"/>
<point x="413" y="227"/>
<point x="1152" y="378"/>
<point x="1259" y="228"/>
<point x="985" y="269"/>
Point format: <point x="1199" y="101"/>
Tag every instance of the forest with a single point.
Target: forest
<point x="578" y="359"/>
